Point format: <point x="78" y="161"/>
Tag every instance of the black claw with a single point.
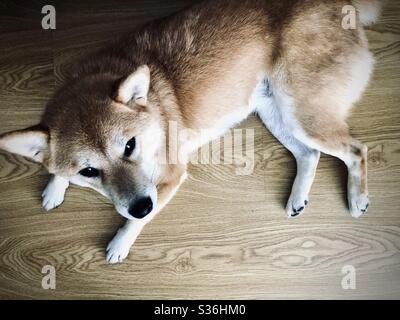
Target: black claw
<point x="300" y="209"/>
<point x="306" y="202"/>
<point x="366" y="209"/>
<point x="295" y="214"/>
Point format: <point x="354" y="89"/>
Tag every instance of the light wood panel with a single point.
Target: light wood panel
<point x="223" y="236"/>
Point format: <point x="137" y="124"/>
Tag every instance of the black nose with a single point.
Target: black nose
<point x="141" y="208"/>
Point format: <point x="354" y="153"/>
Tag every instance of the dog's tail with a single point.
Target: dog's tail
<point x="368" y="10"/>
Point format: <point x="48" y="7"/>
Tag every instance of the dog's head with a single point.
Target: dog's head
<point x="102" y="133"/>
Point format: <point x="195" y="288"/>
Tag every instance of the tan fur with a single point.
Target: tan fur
<point x="204" y="64"/>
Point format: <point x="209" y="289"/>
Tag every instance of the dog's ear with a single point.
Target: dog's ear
<point x="135" y="87"/>
<point x="32" y="142"/>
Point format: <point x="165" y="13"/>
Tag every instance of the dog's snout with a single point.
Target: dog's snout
<point x="141" y="208"/>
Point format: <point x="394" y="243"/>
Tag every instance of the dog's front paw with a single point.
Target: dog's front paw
<point x="118" y="248"/>
<point x="53" y="196"/>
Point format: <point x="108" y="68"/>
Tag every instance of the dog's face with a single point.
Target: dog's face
<point x="101" y="136"/>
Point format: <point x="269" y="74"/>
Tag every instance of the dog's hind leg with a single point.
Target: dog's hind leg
<point x="318" y="118"/>
<point x="352" y="152"/>
<point x="306" y="158"/>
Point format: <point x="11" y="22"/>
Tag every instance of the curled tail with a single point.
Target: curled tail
<point x="368" y="10"/>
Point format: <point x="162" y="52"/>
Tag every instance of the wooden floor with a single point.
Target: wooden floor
<point x="223" y="236"/>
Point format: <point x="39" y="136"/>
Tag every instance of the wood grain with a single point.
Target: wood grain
<point x="223" y="236"/>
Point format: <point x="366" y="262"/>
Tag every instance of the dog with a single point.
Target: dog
<point x="205" y="68"/>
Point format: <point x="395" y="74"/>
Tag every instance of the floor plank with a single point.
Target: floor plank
<point x="223" y="236"/>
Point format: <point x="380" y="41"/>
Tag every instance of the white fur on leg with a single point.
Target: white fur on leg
<point x="358" y="201"/>
<point x="358" y="205"/>
<point x="307" y="163"/>
<point x="118" y="248"/>
<point x="54" y="193"/>
<point x="307" y="159"/>
<point x="357" y="193"/>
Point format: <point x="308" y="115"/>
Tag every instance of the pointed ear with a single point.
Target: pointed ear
<point x="31" y="142"/>
<point x="135" y="87"/>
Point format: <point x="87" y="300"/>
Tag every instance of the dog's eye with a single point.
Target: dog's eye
<point x="89" y="172"/>
<point x="130" y="146"/>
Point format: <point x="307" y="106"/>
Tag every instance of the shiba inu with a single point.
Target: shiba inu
<point x="208" y="68"/>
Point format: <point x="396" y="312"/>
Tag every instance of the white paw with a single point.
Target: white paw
<point x="52" y="196"/>
<point x="118" y="248"/>
<point x="296" y="205"/>
<point x="358" y="205"/>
